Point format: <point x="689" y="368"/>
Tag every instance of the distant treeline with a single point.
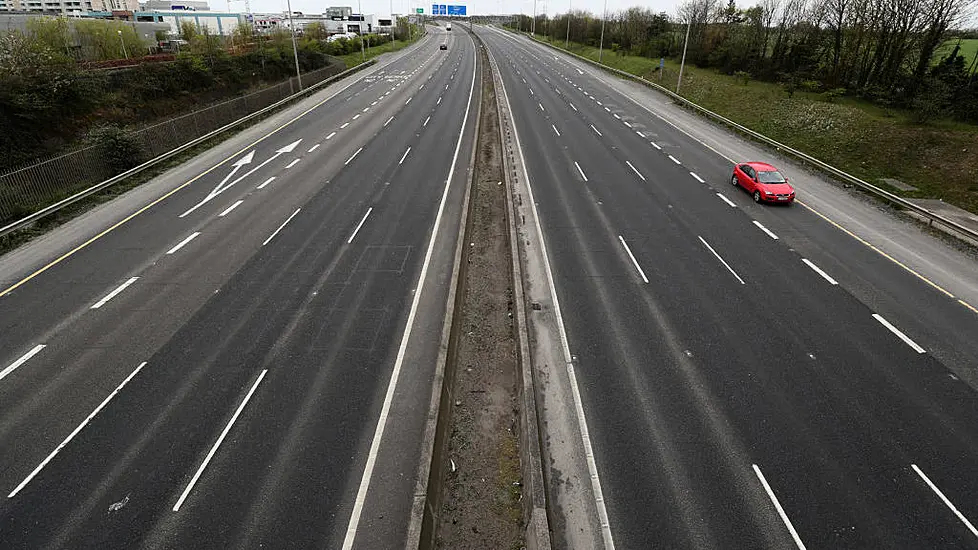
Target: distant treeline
<point x="888" y="51"/>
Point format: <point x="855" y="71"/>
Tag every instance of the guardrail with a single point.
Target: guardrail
<point x="931" y="217"/>
<point x="48" y="210"/>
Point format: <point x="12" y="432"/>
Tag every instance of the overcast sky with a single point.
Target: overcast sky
<point x="477" y="7"/>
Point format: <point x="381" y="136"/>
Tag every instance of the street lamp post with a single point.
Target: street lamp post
<point x="533" y="23"/>
<point x="363" y="52"/>
<point x="567" y="39"/>
<point x="683" y="62"/>
<point x="393" y="26"/>
<point x="604" y="17"/>
<point x="295" y="49"/>
<point x="123" y="42"/>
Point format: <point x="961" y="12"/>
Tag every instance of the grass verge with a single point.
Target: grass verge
<point x="865" y="140"/>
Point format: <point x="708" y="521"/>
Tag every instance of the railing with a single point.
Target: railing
<point x="931" y="217"/>
<point x="28" y="192"/>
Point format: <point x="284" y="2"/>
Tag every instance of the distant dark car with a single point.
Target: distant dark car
<point x="763" y="182"/>
<point x="443" y="47"/>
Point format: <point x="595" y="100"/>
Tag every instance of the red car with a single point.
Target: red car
<point x="764" y="182"/>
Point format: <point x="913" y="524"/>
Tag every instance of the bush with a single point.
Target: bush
<point x="742" y="76"/>
<point x="832" y="95"/>
<point x="121" y="149"/>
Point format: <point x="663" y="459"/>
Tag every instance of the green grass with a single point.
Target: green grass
<point x="866" y="140"/>
<point x="969" y="47"/>
<point x="353" y="59"/>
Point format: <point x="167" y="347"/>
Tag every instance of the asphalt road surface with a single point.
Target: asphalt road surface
<point x="752" y="376"/>
<point x="247" y="362"/>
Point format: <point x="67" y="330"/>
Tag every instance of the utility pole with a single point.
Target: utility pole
<point x="683" y="62"/>
<point x="393" y="27"/>
<point x="295" y="49"/>
<point x="604" y="17"/>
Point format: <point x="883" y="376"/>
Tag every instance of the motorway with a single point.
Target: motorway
<point x="247" y="359"/>
<point x="751" y="376"/>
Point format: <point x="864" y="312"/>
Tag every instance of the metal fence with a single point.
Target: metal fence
<point x="28" y="189"/>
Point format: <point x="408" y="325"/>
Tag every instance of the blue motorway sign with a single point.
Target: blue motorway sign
<point x="456" y="10"/>
<point x="439" y="9"/>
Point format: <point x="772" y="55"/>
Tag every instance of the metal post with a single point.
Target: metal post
<point x="363" y="52"/>
<point x="683" y="62"/>
<point x="393" y="26"/>
<point x="295" y="49"/>
<point x="604" y="17"/>
<point x="533" y="23"/>
<point x="123" y="42"/>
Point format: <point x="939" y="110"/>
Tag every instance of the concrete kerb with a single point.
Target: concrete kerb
<point x="537" y="534"/>
<point x="930" y="218"/>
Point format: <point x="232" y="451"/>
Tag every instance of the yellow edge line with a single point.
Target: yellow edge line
<point x="877" y="250"/>
<point x="969" y="306"/>
<point x="167" y="195"/>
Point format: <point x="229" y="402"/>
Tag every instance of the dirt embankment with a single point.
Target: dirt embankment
<point x="483" y="483"/>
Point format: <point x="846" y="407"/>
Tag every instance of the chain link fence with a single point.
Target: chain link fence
<point x="30" y="188"/>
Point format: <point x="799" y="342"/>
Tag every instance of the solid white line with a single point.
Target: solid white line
<point x="639" y="174"/>
<point x="697" y="178"/>
<point x="314" y="147"/>
<point x="906" y="339"/>
<point x="555" y="130"/>
<point x="266" y="182"/>
<point x="356" y="116"/>
<point x="579" y="170"/>
<point x="210" y="455"/>
<point x="634" y="261"/>
<point x="946" y="500"/>
<point x="725" y="264"/>
<point x="349" y="160"/>
<point x="114" y="293"/>
<point x="674" y="159"/>
<point x="404" y="156"/>
<point x="229" y="209"/>
<point x="596" y="130"/>
<point x="330" y="136"/>
<point x="572" y="106"/>
<point x="775" y="237"/>
<point x="184" y="242"/>
<point x="272" y="236"/>
<point x="359" y="225"/>
<point x="293" y="163"/>
<point x="388" y="121"/>
<point x="23" y="359"/>
<point x="344" y="125"/>
<point x="426" y="121"/>
<point x="726" y="200"/>
<point x="816" y="269"/>
<point x="656" y="145"/>
<point x="777" y="504"/>
<point x="72" y="435"/>
<point x="351" y="530"/>
<point x="439" y="101"/>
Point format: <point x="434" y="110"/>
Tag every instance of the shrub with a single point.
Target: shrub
<point x="121" y="149"/>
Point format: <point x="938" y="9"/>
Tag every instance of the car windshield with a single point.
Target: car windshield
<point x="770" y="177"/>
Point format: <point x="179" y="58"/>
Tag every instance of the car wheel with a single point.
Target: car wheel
<point x="733" y="180"/>
<point x="757" y="197"/>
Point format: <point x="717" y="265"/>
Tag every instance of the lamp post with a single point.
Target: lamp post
<point x="393" y="26"/>
<point x="683" y="62"/>
<point x="363" y="52"/>
<point x="567" y="38"/>
<point x="533" y="23"/>
<point x="123" y="42"/>
<point x="604" y="17"/>
<point x="295" y="49"/>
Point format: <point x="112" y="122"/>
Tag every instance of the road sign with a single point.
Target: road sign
<point x="456" y="10"/>
<point x="419" y="10"/>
